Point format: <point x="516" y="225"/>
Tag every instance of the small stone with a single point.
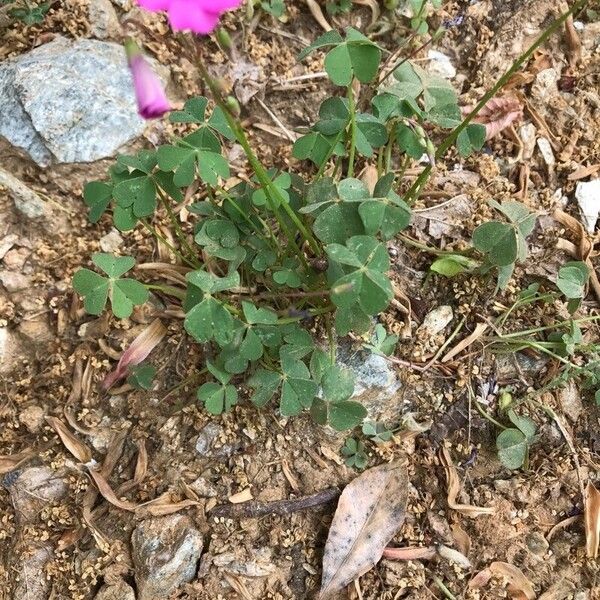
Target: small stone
<point x="32" y="417"/>
<point x="204" y="488"/>
<point x="537" y="544"/>
<point x="32" y="582"/>
<point x="14" y="282"/>
<point x="119" y="591"/>
<point x="546" y="151"/>
<point x="207" y="437"/>
<point x="104" y="22"/>
<point x="37" y="329"/>
<point x="570" y="401"/>
<point x="111" y="242"/>
<point x="69" y="101"/>
<point x="440" y="64"/>
<point x="165" y="552"/>
<point x="375" y="383"/>
<point x="12" y="351"/>
<point x="436" y="321"/>
<point x="32" y="489"/>
<point x="587" y="194"/>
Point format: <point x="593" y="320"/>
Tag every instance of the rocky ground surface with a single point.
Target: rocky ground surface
<point x="59" y="535"/>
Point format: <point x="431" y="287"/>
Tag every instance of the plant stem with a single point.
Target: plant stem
<point x="352" y="150"/>
<point x="408" y="240"/>
<point x="270" y="188"/>
<point x="167" y="289"/>
<point x="418" y="185"/>
<point x="178" y="231"/>
<point x="162" y="240"/>
<point x="447" y="593"/>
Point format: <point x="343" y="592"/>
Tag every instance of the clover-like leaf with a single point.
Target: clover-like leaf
<point x="124" y="294"/>
<point x="265" y="384"/>
<point x="209" y="320"/>
<point x="337" y="383"/>
<point x="513" y="448"/>
<point x="141" y="376"/>
<point x="217" y="398"/>
<point x="298" y="389"/>
<point x="498" y="241"/>
<point x="97" y="196"/>
<point x="572" y="279"/>
<point x="366" y="284"/>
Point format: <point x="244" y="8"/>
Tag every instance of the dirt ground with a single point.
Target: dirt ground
<point x="66" y="541"/>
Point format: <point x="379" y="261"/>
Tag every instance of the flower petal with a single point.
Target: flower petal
<point x="184" y="14"/>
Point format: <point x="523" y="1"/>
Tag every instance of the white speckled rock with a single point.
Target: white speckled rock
<point x="69" y="101"/>
<point x="165" y="552"/>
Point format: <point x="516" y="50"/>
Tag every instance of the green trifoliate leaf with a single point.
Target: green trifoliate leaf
<point x="337" y="384"/>
<point x="97" y="196"/>
<point x="512" y="448"/>
<point x="265" y="384"/>
<point x="217" y="398"/>
<point x="471" y="139"/>
<point x="210" y="320"/>
<point x="141" y="376"/>
<point x="572" y="279"/>
<point x="498" y="241"/>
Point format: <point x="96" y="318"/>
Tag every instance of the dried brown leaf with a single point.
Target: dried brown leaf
<point x="480" y="579"/>
<point x="10" y="462"/>
<point x="461" y="538"/>
<point x="498" y="114"/>
<point x="454" y="489"/>
<point x="425" y="553"/>
<point x="108" y="494"/>
<point x="592" y="520"/>
<point x="519" y="587"/>
<point x="139" y="349"/>
<point x="370" y="511"/>
<point x="479" y="330"/>
<point x="73" y="444"/>
<point x="317" y="14"/>
<point x="167" y="508"/>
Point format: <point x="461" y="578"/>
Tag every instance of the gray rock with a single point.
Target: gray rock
<point x="208" y="435"/>
<point x="111" y="241"/>
<point x="32" y="489"/>
<point x="537" y="544"/>
<point x="14" y="282"/>
<point x="104" y="22"/>
<point x="119" y="591"/>
<point x="27" y="202"/>
<point x="69" y="101"/>
<point x="32" y="582"/>
<point x="165" y="552"/>
<point x="376" y="385"/>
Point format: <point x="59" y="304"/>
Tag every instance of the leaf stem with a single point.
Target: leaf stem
<point x="167" y="289"/>
<point x="164" y="241"/>
<point x="178" y="231"/>
<point x="418" y="185"/>
<point x="352" y="149"/>
<point x="261" y="173"/>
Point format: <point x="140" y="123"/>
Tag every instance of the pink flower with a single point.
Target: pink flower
<point x="150" y="95"/>
<point x="200" y="16"/>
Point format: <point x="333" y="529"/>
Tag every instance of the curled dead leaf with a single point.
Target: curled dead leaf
<point x="10" y="462"/>
<point x="498" y="114"/>
<point x="73" y="444"/>
<point x="454" y="489"/>
<point x="138" y="350"/>
<point x="592" y="520"/>
<point x="519" y="587"/>
<point x="108" y="494"/>
<point x="370" y="511"/>
<point x="424" y="553"/>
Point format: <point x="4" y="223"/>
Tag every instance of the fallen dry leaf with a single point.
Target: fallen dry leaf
<point x="461" y="538"/>
<point x="108" y="494"/>
<point x="137" y="351"/>
<point x="454" y="489"/>
<point x="498" y="114"/>
<point x="165" y="508"/>
<point x="9" y="462"/>
<point x="73" y="444"/>
<point x="519" y="587"/>
<point x="370" y="511"/>
<point x="592" y="520"/>
<point x="424" y="553"/>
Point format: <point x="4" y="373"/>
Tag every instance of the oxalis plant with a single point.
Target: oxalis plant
<point x="280" y="266"/>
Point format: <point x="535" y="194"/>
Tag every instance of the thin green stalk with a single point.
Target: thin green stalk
<point x="323" y="166"/>
<point x="557" y="325"/>
<point x="167" y="289"/>
<point x="164" y="241"/>
<point x="270" y="188"/>
<point x="410" y="242"/>
<point x="178" y="231"/>
<point x="388" y="148"/>
<point x="418" y="185"/>
<point x="352" y="149"/>
<point x="447" y="593"/>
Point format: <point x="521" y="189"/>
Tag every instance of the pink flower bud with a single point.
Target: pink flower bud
<point x="149" y="92"/>
<point x="199" y="16"/>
